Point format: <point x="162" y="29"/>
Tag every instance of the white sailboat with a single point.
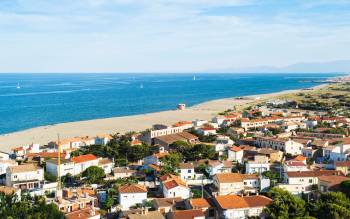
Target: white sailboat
<point x="194" y="78"/>
<point x="18" y="87"/>
<point x="141" y="86"/>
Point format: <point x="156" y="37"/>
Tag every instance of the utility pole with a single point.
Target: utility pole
<point x="58" y="163"/>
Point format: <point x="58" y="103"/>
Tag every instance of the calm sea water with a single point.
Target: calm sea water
<point x="45" y="99"/>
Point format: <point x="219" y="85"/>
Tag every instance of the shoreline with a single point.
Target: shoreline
<point x="140" y="122"/>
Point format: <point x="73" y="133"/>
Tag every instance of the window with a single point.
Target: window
<point x="310" y="180"/>
<point x="189" y="171"/>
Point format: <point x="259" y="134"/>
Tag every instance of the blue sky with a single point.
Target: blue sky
<point x="169" y="35"/>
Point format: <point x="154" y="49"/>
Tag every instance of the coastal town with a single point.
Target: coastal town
<point x="286" y="156"/>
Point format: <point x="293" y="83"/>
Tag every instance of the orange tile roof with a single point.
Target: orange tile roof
<point x="199" y="203"/>
<point x="229" y="177"/>
<point x="133" y="188"/>
<point x="181" y="123"/>
<point x="81" y="214"/>
<point x="236" y="202"/>
<point x="46" y="154"/>
<point x="333" y="180"/>
<point x="300" y="158"/>
<point x="342" y="163"/>
<point x="186" y="214"/>
<point x="235" y="148"/>
<point x="84" y="158"/>
<point x="171" y="181"/>
<point x="18" y="148"/>
<point x="315" y="173"/>
<point x="160" y="154"/>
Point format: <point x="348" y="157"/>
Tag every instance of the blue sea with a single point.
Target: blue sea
<point x="45" y="99"/>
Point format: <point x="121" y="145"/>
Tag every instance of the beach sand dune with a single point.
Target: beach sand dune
<point x="45" y="134"/>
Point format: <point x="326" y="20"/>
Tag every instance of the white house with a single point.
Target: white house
<point x="174" y="187"/>
<point x="106" y="164"/>
<point x="302" y="181"/>
<point x="206" y="130"/>
<point x="130" y="195"/>
<point x="4" y="164"/>
<point x="235" y="153"/>
<point x="77" y="165"/>
<point x="216" y="166"/>
<point x="222" y="143"/>
<point x="237" y="207"/>
<point x="83" y="162"/>
<point x="339" y="152"/>
<point x="228" y="183"/>
<point x="186" y="171"/>
<point x="293" y="166"/>
<point x="66" y="167"/>
<point x="102" y="139"/>
<point x="28" y="176"/>
<point x="259" y="165"/>
<point x="199" y="122"/>
<point x="288" y="146"/>
<point x="154" y="158"/>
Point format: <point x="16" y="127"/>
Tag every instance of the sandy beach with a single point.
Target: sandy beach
<point x="205" y="110"/>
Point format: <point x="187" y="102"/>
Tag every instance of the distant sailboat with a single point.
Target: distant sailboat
<point x="18" y="87"/>
<point x="194" y="78"/>
<point x="141" y="86"/>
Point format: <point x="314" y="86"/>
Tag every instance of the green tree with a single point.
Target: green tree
<point x="27" y="208"/>
<point x="284" y="205"/>
<point x="203" y="151"/>
<point x="170" y="163"/>
<point x="93" y="174"/>
<point x="345" y="187"/>
<point x="50" y="177"/>
<point x="273" y="176"/>
<point x="330" y="205"/>
<point x="196" y="193"/>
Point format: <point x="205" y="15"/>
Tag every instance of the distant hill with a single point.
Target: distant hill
<point x="302" y="67"/>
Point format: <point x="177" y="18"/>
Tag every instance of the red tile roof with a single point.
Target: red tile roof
<point x="186" y="214"/>
<point x="237" y="202"/>
<point x="199" y="203"/>
<point x="235" y="148"/>
<point x="133" y="188"/>
<point x="84" y="158"/>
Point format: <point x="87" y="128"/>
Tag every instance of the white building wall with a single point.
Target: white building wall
<point x="126" y="200"/>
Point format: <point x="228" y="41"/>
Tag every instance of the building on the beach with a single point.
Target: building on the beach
<point x="27" y="176"/>
<point x="181" y="106"/>
<point x="166" y="140"/>
<point x="159" y="130"/>
<point x="103" y="139"/>
<point x="26" y="149"/>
